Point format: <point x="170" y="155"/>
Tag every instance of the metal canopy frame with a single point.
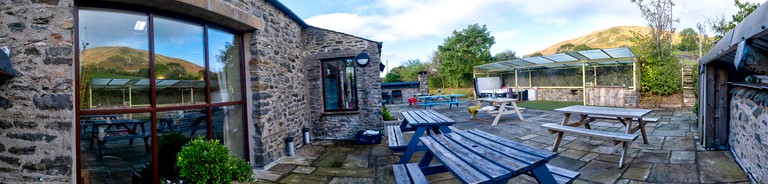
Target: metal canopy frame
<point x="621" y="56"/>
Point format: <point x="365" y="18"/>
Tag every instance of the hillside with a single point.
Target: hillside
<point x="609" y="38"/>
<point x="129" y="59"/>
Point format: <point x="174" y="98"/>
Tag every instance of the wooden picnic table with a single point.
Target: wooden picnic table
<point x="420" y="122"/>
<point x="624" y="115"/>
<point x="504" y="104"/>
<point x="431" y="100"/>
<point x="475" y="156"/>
<point x="121" y="129"/>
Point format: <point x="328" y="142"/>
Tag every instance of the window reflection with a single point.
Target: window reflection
<point x="228" y="127"/>
<point x="175" y="129"/>
<point x="339" y="84"/>
<point x="179" y="62"/>
<point x="114" y="146"/>
<point x="113" y="59"/>
<point x="224" y="60"/>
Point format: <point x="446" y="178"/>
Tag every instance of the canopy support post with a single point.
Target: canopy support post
<point x="595" y="71"/>
<point x="530" y="83"/>
<point x="634" y="74"/>
<point x="584" y="82"/>
<point x="130" y="99"/>
<point x="90" y="98"/>
<point x="516" y="79"/>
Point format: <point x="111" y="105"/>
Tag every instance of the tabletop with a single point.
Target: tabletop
<point x="441" y="96"/>
<point x="475" y="156"/>
<point x="605" y="111"/>
<point x="426" y="118"/>
<point x="497" y="100"/>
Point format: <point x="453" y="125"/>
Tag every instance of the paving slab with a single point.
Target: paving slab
<point x="637" y="171"/>
<point x="357" y="159"/>
<point x="266" y="175"/>
<point x="304" y="179"/>
<point x="356" y="172"/>
<point x="282" y="168"/>
<point x="653" y="157"/>
<point x="298" y="160"/>
<point x="567" y="163"/>
<point x="673" y="173"/>
<point x="342" y="180"/>
<point x="719" y="166"/>
<point x="600" y="171"/>
<point x="679" y="143"/>
<point x="573" y="154"/>
<point x="683" y="157"/>
<point x="304" y="169"/>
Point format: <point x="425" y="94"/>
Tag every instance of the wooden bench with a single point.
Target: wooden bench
<point x="408" y="173"/>
<point x="645" y="120"/>
<point x="623" y="138"/>
<point x="395" y="139"/>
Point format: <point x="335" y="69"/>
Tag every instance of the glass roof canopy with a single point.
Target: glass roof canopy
<point x="106" y="83"/>
<point x="597" y="57"/>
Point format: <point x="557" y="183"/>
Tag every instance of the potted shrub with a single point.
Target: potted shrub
<point x="208" y="161"/>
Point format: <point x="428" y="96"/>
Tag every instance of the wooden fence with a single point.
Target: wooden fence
<point x="606" y="95"/>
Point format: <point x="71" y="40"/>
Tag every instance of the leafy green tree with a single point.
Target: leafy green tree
<point x="689" y="40"/>
<point x="721" y="26"/>
<point x="392" y="77"/>
<point x="568" y="47"/>
<point x="463" y="50"/>
<point x="505" y="55"/>
<point x="582" y="47"/>
<point x="660" y="69"/>
<point x="535" y="54"/>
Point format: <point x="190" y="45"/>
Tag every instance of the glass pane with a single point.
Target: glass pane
<point x="113" y="58"/>
<point x="113" y="146"/>
<point x="348" y="87"/>
<point x="228" y="128"/>
<point x="331" y="82"/>
<point x="174" y="129"/>
<point x="179" y="62"/>
<point x="224" y="61"/>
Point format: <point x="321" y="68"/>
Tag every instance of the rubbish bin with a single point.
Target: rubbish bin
<point x="532" y="94"/>
<point x="523" y="95"/>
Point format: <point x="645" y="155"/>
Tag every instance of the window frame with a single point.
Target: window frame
<point x="322" y="79"/>
<point x="153" y="109"/>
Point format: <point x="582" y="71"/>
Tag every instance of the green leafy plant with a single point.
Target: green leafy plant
<point x="208" y="161"/>
<point x="385" y="114"/>
<point x="169" y="145"/>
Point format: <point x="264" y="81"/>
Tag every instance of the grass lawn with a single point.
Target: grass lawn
<point x="546" y="105"/>
<point x="469" y="92"/>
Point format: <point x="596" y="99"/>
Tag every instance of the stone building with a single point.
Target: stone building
<point x="733" y="104"/>
<point x="101" y="84"/>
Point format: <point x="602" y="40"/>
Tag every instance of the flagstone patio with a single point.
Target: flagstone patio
<point x="671" y="155"/>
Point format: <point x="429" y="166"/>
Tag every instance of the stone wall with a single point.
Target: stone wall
<point x="748" y="127"/>
<point x="278" y="84"/>
<point x="407" y="93"/>
<point x="570" y="95"/>
<point x="326" y="44"/>
<point x="36" y="108"/>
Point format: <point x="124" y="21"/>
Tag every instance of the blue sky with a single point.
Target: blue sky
<point x="412" y="29"/>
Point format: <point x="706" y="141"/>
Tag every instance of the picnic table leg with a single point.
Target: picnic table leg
<point x="502" y="108"/>
<point x="641" y="124"/>
<point x="412" y="144"/>
<point x="542" y="174"/>
<point x="560" y="134"/>
<point x="426" y="159"/>
<point x="585" y="121"/>
<point x="624" y="146"/>
<point x="520" y="115"/>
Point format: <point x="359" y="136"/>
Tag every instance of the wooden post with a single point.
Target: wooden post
<point x="530" y="84"/>
<point x="130" y="99"/>
<point x="594" y="70"/>
<point x="634" y="74"/>
<point x="90" y="98"/>
<point x="516" y="79"/>
<point x="584" y="83"/>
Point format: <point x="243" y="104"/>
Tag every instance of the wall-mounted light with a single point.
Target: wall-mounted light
<point x="362" y="59"/>
<point x="6" y="66"/>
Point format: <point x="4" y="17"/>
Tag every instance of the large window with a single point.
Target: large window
<point x="147" y="84"/>
<point x="339" y="90"/>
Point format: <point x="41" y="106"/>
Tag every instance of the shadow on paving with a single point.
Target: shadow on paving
<point x="671" y="155"/>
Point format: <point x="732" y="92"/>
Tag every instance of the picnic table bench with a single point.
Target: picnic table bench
<point x="587" y="113"/>
<point x="432" y="100"/>
<point x="475" y="156"/>
<point x="113" y="130"/>
<point x="420" y="122"/>
<point x="505" y="106"/>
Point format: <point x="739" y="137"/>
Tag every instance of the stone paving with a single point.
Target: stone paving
<point x="671" y="155"/>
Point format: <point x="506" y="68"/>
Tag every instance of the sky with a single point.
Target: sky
<point x="413" y="29"/>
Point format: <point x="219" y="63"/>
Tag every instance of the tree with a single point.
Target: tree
<point x="462" y="51"/>
<point x="535" y="54"/>
<point x="721" y="26"/>
<point x="505" y="55"/>
<point x="568" y="47"/>
<point x="392" y="77"/>
<point x="582" y="47"/>
<point x="689" y="40"/>
<point x="659" y="68"/>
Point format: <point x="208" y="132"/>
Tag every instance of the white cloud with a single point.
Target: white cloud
<point x="508" y="35"/>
